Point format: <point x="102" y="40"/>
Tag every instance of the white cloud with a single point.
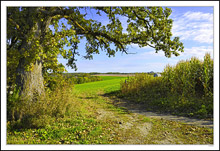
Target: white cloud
<point x="198" y="51"/>
<point x="198" y="16"/>
<point x="196" y="26"/>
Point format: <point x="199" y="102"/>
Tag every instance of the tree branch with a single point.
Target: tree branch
<point x="147" y="22"/>
<point x="96" y="34"/>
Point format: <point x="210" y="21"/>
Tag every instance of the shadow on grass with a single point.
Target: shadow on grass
<point x="112" y="93"/>
<point x="119" y="101"/>
<point x="132" y="106"/>
<point x="87" y="98"/>
<point x="115" y="97"/>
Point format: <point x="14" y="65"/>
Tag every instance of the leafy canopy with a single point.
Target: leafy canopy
<point x="29" y="36"/>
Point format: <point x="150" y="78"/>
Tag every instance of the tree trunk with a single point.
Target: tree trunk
<point x="31" y="83"/>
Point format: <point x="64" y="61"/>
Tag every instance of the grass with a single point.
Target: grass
<point x="110" y="83"/>
<point x="171" y="132"/>
<point x="94" y="119"/>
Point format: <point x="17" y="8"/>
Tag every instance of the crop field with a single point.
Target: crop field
<point x="92" y="118"/>
<point x="184" y="89"/>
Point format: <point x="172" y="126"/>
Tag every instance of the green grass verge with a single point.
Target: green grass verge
<point x="110" y="77"/>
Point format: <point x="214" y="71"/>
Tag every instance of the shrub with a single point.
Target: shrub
<point x="56" y="103"/>
<point x="12" y="100"/>
<point x="81" y="78"/>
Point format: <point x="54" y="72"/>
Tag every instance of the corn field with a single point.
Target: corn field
<point x="184" y="89"/>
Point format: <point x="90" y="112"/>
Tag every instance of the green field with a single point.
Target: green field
<point x="109" y="84"/>
<point x="93" y="119"/>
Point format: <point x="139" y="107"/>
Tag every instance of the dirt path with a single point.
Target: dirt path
<point x="128" y="126"/>
<point x="185" y="120"/>
<point x="137" y="126"/>
<point x="129" y="123"/>
<point x="139" y="109"/>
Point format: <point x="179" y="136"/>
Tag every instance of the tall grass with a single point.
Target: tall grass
<point x="191" y="77"/>
<point x="58" y="101"/>
<point x="39" y="112"/>
<point x="141" y="84"/>
<point x="186" y="88"/>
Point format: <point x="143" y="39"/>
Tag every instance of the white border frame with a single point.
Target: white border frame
<point x="4" y="4"/>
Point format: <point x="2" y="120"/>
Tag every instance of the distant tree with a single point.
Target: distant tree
<point x="32" y="47"/>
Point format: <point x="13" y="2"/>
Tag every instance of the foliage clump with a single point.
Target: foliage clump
<point x="82" y="78"/>
<point x="184" y="89"/>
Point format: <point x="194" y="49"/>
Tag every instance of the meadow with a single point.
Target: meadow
<point x="89" y="116"/>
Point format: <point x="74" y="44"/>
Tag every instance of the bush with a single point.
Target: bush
<point x="12" y="100"/>
<point x="85" y="79"/>
<point x="56" y="103"/>
<point x="53" y="81"/>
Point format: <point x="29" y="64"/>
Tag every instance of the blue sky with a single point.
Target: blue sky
<point x="194" y="26"/>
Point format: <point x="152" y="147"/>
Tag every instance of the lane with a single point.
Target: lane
<point x="140" y="109"/>
<point x="112" y="83"/>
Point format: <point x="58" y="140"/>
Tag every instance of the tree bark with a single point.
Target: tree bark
<point x="31" y="83"/>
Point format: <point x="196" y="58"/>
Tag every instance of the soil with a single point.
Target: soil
<point x="140" y="109"/>
<point x="133" y="131"/>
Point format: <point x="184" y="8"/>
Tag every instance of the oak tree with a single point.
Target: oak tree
<point x="33" y="47"/>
